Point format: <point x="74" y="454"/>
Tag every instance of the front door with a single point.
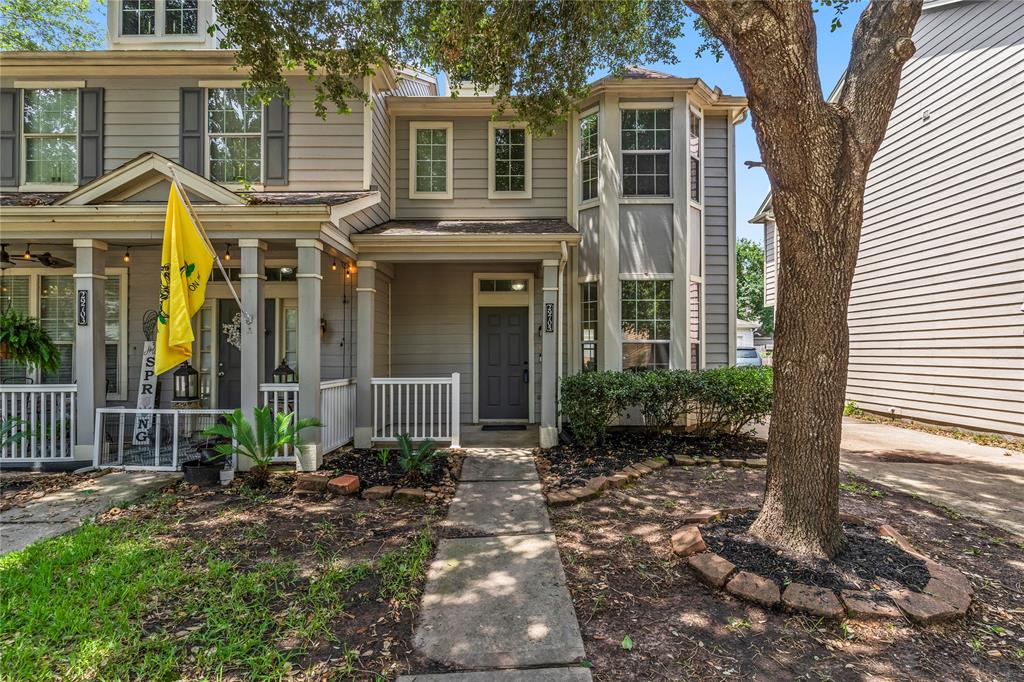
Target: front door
<point x="229" y="359"/>
<point x="504" y="378"/>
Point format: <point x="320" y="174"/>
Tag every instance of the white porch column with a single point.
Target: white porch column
<point x="366" y="293"/>
<point x="549" y="356"/>
<point x="90" y="354"/>
<point x="310" y="254"/>
<point x="253" y="341"/>
<point x="610" y="331"/>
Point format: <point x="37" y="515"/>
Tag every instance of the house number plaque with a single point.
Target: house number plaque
<point x="83" y="308"/>
<point x="549" y="317"/>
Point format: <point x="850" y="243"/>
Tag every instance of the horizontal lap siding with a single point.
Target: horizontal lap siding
<point x="140" y="115"/>
<point x="935" y="311"/>
<point x="469" y="179"/>
<point x="323" y="154"/>
<point x="770" y="242"/>
<point x="716" y="242"/>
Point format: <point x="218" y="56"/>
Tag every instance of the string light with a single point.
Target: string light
<point x="28" y="252"/>
<point x="334" y="265"/>
<point x="227" y="252"/>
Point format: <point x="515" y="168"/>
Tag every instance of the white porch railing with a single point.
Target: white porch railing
<point x="46" y="414"/>
<point x="423" y="408"/>
<point x="151" y="439"/>
<point x="281" y="398"/>
<point x="337" y="412"/>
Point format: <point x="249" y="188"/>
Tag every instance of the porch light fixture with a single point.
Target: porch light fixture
<point x="28" y="253"/>
<point x="518" y="285"/>
<point x="284" y="374"/>
<point x="186" y="383"/>
<point x="334" y="265"/>
<point x="127" y="256"/>
<point x="227" y="252"/>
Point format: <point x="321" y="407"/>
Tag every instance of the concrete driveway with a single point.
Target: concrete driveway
<point x="976" y="480"/>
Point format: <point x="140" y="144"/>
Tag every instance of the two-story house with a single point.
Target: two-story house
<point x="413" y="266"/>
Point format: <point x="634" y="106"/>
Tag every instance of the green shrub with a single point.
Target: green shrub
<point x="728" y="399"/>
<point x="590" y="400"/>
<point x="417" y="463"/>
<point x="661" y="395"/>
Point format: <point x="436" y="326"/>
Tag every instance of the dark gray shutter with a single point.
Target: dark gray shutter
<point x="90" y="134"/>
<point x="275" y="142"/>
<point x="10" y="134"/>
<point x="190" y="147"/>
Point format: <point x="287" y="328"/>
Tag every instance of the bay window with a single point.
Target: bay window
<point x="646" y="323"/>
<point x="646" y="151"/>
<point x="588" y="325"/>
<point x="588" y="157"/>
<point x="430" y="165"/>
<point x="51" y="136"/>
<point x="235" y="131"/>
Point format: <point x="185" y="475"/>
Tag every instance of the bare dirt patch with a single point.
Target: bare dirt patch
<point x="18" y="488"/>
<point x="625" y="581"/>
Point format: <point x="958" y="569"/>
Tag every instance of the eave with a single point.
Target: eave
<point x="462" y="247"/>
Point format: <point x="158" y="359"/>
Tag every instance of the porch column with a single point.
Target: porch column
<point x="310" y="254"/>
<point x="366" y="293"/>
<point x="90" y="344"/>
<point x="549" y="356"/>
<point x="253" y="283"/>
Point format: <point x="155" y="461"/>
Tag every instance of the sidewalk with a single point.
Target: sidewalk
<point x="496" y="601"/>
<point x="976" y="480"/>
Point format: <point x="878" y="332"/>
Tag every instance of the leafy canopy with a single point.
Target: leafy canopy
<point x="34" y="25"/>
<point x="750" y="285"/>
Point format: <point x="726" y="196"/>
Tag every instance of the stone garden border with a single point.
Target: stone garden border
<point x="594" y="487"/>
<point x="946" y="596"/>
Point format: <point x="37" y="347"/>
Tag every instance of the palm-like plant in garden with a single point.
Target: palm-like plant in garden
<point x="272" y="435"/>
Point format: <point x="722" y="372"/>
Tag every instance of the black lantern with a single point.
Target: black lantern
<point x="284" y="374"/>
<point x="186" y="384"/>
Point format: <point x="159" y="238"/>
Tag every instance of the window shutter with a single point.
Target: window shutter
<point x="90" y="134"/>
<point x="275" y="142"/>
<point x="10" y="128"/>
<point x="190" y="146"/>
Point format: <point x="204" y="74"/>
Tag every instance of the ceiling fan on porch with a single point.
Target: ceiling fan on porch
<point x="29" y="259"/>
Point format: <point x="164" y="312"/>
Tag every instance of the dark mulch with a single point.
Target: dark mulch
<point x="572" y="464"/>
<point x="867" y="560"/>
<point x="368" y="467"/>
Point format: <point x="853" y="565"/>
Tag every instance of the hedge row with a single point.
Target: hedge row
<point x="724" y="399"/>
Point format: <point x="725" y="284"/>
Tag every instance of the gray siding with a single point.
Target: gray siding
<point x="935" y="311"/>
<point x="469" y="176"/>
<point x="589" y="226"/>
<point x="645" y="239"/>
<point x="140" y="115"/>
<point x="380" y="175"/>
<point x="382" y="320"/>
<point x="717" y="254"/>
<point x="771" y="250"/>
<point x="323" y="154"/>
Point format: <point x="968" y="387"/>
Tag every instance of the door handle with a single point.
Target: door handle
<point x="526" y="376"/>
<point x="220" y="374"/>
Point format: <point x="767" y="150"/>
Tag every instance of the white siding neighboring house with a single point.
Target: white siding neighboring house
<point x="936" y="317"/>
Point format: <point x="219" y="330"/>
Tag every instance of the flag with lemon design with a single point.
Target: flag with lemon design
<point x="186" y="263"/>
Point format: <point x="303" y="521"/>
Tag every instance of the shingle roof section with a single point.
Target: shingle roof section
<point x="402" y="228"/>
<point x="29" y="198"/>
<point x="306" y="198"/>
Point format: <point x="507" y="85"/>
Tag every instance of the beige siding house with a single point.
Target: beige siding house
<point x="417" y="265"/>
<point x="937" y="307"/>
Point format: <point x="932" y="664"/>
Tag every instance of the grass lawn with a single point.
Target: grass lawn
<point x="219" y="585"/>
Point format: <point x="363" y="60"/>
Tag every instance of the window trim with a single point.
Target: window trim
<point x="657" y="198"/>
<point x="236" y="186"/>
<point x="625" y="277"/>
<point x="593" y="111"/>
<point x="595" y="343"/>
<point x="492" y="192"/>
<point x="24" y="185"/>
<point x="415" y="126"/>
<point x="159" y="29"/>
<point x="699" y="201"/>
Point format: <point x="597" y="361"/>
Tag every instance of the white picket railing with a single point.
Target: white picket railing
<point x="151" y="439"/>
<point x="280" y="397"/>
<point x="45" y="413"/>
<point x="337" y="412"/>
<point x="423" y="408"/>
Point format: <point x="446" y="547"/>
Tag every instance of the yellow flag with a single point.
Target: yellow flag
<point x="185" y="266"/>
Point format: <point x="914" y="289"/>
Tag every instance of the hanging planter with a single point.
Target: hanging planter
<point x="233" y="331"/>
<point x="24" y="341"/>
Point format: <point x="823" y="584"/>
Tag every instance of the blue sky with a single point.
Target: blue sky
<point x="752" y="184"/>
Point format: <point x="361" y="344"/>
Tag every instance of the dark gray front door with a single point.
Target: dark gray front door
<point x="504" y="363"/>
<point x="229" y="359"/>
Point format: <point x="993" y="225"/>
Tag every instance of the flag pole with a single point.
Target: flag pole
<point x="195" y="219"/>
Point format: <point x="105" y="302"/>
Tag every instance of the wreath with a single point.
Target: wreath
<point x="233" y="331"/>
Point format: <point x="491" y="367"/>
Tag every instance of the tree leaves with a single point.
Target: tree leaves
<point x="34" y="25"/>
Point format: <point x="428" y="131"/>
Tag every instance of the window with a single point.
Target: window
<point x="646" y="145"/>
<point x="646" y="323"/>
<point x="138" y="17"/>
<point x="14" y="295"/>
<point x="235" y="120"/>
<point x="430" y="168"/>
<point x="695" y="123"/>
<point x="588" y="157"/>
<point x="57" y="317"/>
<point x="588" y="325"/>
<point x="51" y="137"/>
<point x="290" y="334"/>
<point x="510" y="161"/>
<point x="181" y="17"/>
<point x="695" y="362"/>
<point x="202" y="358"/>
<point x="503" y="285"/>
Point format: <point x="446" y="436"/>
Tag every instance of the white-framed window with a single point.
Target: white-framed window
<point x="234" y="136"/>
<point x="588" y="326"/>
<point x="695" y="152"/>
<point x="510" y="161"/>
<point x="646" y="152"/>
<point x="646" y="323"/>
<point x="203" y="353"/>
<point x="138" y="17"/>
<point x="588" y="157"/>
<point x="50" y="136"/>
<point x="49" y="296"/>
<point x="144" y="18"/>
<point x="181" y="17"/>
<point x="430" y="159"/>
<point x="289" y="326"/>
<point x="696" y="357"/>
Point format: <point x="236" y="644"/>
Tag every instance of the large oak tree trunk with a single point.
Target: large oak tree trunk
<point x="817" y="155"/>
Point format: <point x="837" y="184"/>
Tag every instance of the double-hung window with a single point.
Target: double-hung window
<point x="181" y="17"/>
<point x="51" y="136"/>
<point x="430" y="160"/>
<point x="695" y="156"/>
<point x="588" y="325"/>
<point x="646" y="151"/>
<point x="510" y="161"/>
<point x="235" y="132"/>
<point x="160" y="17"/>
<point x="646" y="323"/>
<point x="138" y="17"/>
<point x="588" y="157"/>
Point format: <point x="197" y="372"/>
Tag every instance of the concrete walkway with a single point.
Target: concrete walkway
<point x="65" y="510"/>
<point x="977" y="480"/>
<point x="496" y="606"/>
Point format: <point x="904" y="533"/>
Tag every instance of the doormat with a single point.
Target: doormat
<point x="503" y="427"/>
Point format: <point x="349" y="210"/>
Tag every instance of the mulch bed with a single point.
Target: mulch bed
<point x="868" y="562"/>
<point x="625" y="581"/>
<point x="571" y="464"/>
<point x="366" y="465"/>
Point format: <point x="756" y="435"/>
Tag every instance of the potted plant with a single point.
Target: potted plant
<point x="272" y="435"/>
<point x="24" y="341"/>
<point x="207" y="470"/>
